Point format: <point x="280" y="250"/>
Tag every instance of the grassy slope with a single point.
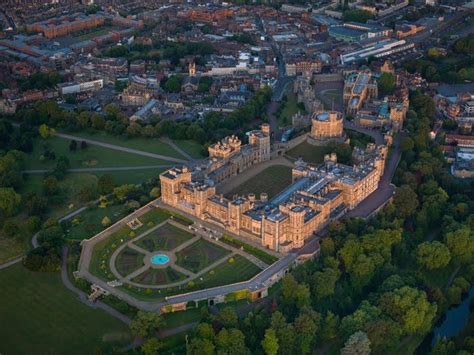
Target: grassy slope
<point x="43" y="317"/>
<point x="309" y="153"/>
<point x="152" y="145"/>
<point x="272" y="181"/>
<point x="91" y="157"/>
<point x="289" y="110"/>
<point x="192" y="148"/>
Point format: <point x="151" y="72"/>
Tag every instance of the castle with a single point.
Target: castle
<point x="317" y="195"/>
<point x="326" y="126"/>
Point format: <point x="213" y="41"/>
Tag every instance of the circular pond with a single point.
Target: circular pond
<point x="160" y="259"/>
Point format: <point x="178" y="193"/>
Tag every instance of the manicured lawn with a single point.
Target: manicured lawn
<point x="199" y="255"/>
<point x="89" y="223"/>
<point x="272" y="180"/>
<point x="309" y="153"/>
<point x="226" y="273"/>
<point x="40" y="316"/>
<point x="159" y="276"/>
<point x="100" y="32"/>
<point x="175" y="319"/>
<point x="258" y="253"/>
<point x="167" y="237"/>
<point x="288" y="110"/>
<point x="151" y="145"/>
<point x="128" y="261"/>
<point x="99" y="264"/>
<point x="192" y="148"/>
<point x="91" y="157"/>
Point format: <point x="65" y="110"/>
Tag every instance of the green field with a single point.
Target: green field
<point x="99" y="264"/>
<point x="272" y="180"/>
<point x="167" y="237"/>
<point x="128" y="260"/>
<point x="152" y="145"/>
<point x="192" y="148"/>
<point x="91" y="157"/>
<point x="225" y="273"/>
<point x="309" y="153"/>
<point x="40" y="316"/>
<point x="199" y="255"/>
<point x="89" y="222"/>
<point x="94" y="33"/>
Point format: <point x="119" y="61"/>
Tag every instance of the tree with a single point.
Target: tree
<point x="433" y="255"/>
<point x="410" y="308"/>
<point x="386" y="84"/>
<point x="329" y="326"/>
<point x="306" y="328"/>
<point x="231" y="342"/>
<point x="46" y="132"/>
<point x="51" y="237"/>
<point x="73" y="146"/>
<point x="357" y="15"/>
<point x="357" y="344"/>
<point x="83" y="145"/>
<point x="50" y="186"/>
<point x="461" y="244"/>
<point x="10" y="228"/>
<point x="9" y="201"/>
<point x="146" y="324"/>
<point x="106" y="184"/>
<point x="325" y="282"/>
<point x="106" y="221"/>
<point x="61" y="168"/>
<point x="407" y="144"/>
<point x="173" y="84"/>
<point x="33" y="224"/>
<point x="270" y="342"/>
<point x="155" y="192"/>
<point x="126" y="191"/>
<point x="406" y="200"/>
<point x="151" y="346"/>
<point x="227" y="317"/>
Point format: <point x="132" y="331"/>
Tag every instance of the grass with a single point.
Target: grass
<point x="89" y="222"/>
<point x="288" y="109"/>
<point x="103" y="249"/>
<point x="333" y="95"/>
<point x="68" y="199"/>
<point x="151" y="145"/>
<point x="258" y="253"/>
<point x="167" y="237"/>
<point x="272" y="180"/>
<point x="309" y="153"/>
<point x="159" y="276"/>
<point x="358" y="139"/>
<point x="192" y="148"/>
<point x="176" y="319"/>
<point x="128" y="261"/>
<point x="10" y="248"/>
<point x="91" y="157"/>
<point x="40" y="316"/>
<point x="199" y="255"/>
<point x="93" y="34"/>
<point x="226" y="273"/>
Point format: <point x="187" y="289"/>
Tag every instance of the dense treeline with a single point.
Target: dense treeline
<point x="456" y="67"/>
<point x="213" y="127"/>
<point x="378" y="285"/>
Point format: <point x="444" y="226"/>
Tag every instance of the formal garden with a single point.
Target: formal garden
<point x="158" y="255"/>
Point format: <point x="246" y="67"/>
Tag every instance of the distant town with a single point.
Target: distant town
<point x="237" y="177"/>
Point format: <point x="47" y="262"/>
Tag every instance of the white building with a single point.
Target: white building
<point x="377" y="50"/>
<point x="76" y="88"/>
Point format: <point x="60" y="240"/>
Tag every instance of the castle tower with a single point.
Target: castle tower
<point x="192" y="69"/>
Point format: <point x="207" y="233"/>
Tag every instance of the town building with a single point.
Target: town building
<point x="358" y="87"/>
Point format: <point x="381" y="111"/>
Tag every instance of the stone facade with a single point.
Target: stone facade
<point x="317" y="195"/>
<point x="327" y="125"/>
<point x="359" y="87"/>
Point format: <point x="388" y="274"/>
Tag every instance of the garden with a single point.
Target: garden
<point x="200" y="255"/>
<point x="167" y="237"/>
